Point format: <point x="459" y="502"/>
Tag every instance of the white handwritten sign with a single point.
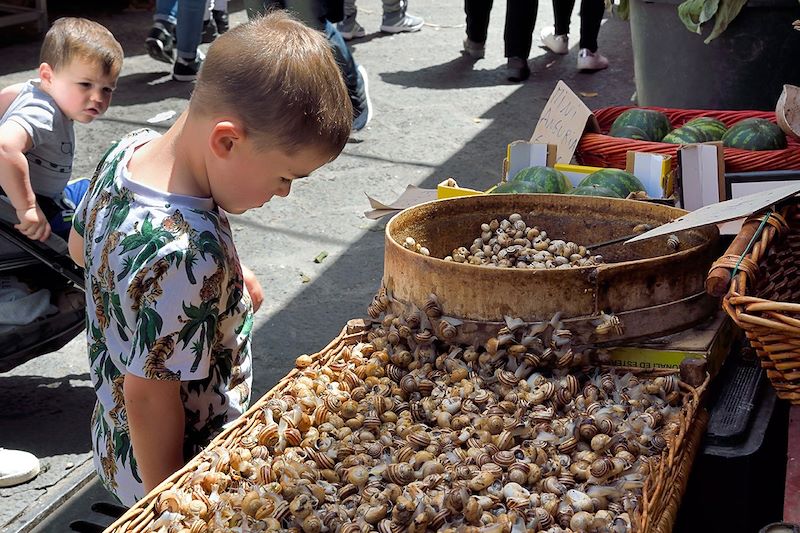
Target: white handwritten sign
<point x="563" y="121"/>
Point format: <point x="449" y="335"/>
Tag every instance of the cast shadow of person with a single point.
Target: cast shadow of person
<point x="461" y="72"/>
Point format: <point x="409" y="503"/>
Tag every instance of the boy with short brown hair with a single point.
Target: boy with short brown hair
<point x="170" y="304"/>
<point x="80" y="63"/>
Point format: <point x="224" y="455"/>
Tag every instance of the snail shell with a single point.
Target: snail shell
<point x="432" y="308"/>
<point x="311" y="524"/>
<point x="419" y="439"/>
<point x="400" y="474"/>
<point x="481" y="481"/>
<point x="504" y="458"/>
<point x="552" y="485"/>
<point x="542" y="518"/>
<point x="301" y="506"/>
<point x="602" y="467"/>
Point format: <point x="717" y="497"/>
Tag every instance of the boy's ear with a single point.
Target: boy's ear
<point x="225" y="135"/>
<point x="46" y="72"/>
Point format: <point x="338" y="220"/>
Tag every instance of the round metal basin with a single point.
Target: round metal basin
<point x="651" y="287"/>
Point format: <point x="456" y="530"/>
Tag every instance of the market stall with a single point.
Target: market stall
<point x="489" y="389"/>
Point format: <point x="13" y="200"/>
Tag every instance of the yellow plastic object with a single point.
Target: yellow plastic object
<point x="450" y="189"/>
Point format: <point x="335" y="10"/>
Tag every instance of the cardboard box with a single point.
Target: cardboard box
<point x="710" y="340"/>
<point x="702" y="175"/>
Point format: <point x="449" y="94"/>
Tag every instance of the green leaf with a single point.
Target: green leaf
<point x="694" y="13"/>
<point x="728" y="9"/>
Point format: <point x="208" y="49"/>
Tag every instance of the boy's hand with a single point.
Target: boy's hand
<point x="253" y="287"/>
<point x="33" y="224"/>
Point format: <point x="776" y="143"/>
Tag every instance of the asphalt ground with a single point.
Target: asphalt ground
<point x="437" y="114"/>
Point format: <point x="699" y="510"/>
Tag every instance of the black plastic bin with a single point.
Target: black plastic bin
<point x="737" y="480"/>
<point x="744" y="68"/>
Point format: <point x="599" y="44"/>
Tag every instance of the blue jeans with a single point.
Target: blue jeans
<point x="312" y="14"/>
<point x="189" y="25"/>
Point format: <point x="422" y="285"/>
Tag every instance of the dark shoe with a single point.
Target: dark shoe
<point x="221" y="20"/>
<point x="209" y="30"/>
<point x="160" y="42"/>
<point x="518" y="69"/>
<point x="187" y="69"/>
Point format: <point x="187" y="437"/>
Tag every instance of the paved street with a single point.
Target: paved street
<point x="437" y="114"/>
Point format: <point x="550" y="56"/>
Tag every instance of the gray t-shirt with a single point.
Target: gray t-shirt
<point x="52" y="135"/>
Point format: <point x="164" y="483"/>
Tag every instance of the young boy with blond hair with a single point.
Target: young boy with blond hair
<point x="80" y="63"/>
<point x="170" y="305"/>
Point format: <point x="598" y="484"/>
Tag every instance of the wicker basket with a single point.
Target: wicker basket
<point x="662" y="491"/>
<point x="764" y="297"/>
<point x="600" y="150"/>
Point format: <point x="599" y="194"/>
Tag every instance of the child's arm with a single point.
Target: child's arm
<point x="8" y="95"/>
<point x="76" y="247"/>
<point x="156" y="422"/>
<point x="253" y="287"/>
<point x="15" y="181"/>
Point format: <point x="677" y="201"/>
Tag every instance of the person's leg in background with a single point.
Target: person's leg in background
<point x="591" y="17"/>
<point x="209" y="24"/>
<point x="396" y="18"/>
<point x="219" y="12"/>
<point x="556" y="38"/>
<point x="518" y="35"/>
<point x="312" y="13"/>
<point x="349" y="26"/>
<point x="160" y="42"/>
<point x="355" y="78"/>
<point x="189" y="33"/>
<point x="477" y="12"/>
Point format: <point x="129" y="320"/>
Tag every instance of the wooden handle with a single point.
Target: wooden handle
<point x="719" y="277"/>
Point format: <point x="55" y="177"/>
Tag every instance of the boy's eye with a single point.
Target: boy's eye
<point x="285" y="180"/>
<point x="108" y="90"/>
<point x="85" y="84"/>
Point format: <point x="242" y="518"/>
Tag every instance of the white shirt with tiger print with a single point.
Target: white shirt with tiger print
<point x="165" y="300"/>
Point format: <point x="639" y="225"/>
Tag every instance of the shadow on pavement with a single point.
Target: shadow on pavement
<point x="41" y="419"/>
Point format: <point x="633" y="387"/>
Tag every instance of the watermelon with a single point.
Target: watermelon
<point x="594" y="190"/>
<point x="755" y="134"/>
<point x="654" y="123"/>
<point x="543" y="179"/>
<point x="629" y="132"/>
<point x="686" y="134"/>
<point x="713" y="128"/>
<point x="619" y="181"/>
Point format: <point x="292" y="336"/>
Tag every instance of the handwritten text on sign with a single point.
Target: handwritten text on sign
<point x="562" y="122"/>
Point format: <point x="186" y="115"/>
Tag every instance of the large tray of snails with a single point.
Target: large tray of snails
<point x="388" y="429"/>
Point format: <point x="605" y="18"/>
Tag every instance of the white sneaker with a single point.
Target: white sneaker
<point x="558" y="44"/>
<point x="588" y="60"/>
<point x="351" y="29"/>
<point x="360" y="122"/>
<point x="401" y="22"/>
<point x="17" y="467"/>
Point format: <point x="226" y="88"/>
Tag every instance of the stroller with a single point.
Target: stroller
<point x="40" y="265"/>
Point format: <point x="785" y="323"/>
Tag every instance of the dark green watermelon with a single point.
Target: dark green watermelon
<point x="755" y="134"/>
<point x="594" y="190"/>
<point x="629" y="132"/>
<point x="619" y="181"/>
<point x="686" y="134"/>
<point x="543" y="179"/>
<point x="654" y="123"/>
<point x="714" y="129"/>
